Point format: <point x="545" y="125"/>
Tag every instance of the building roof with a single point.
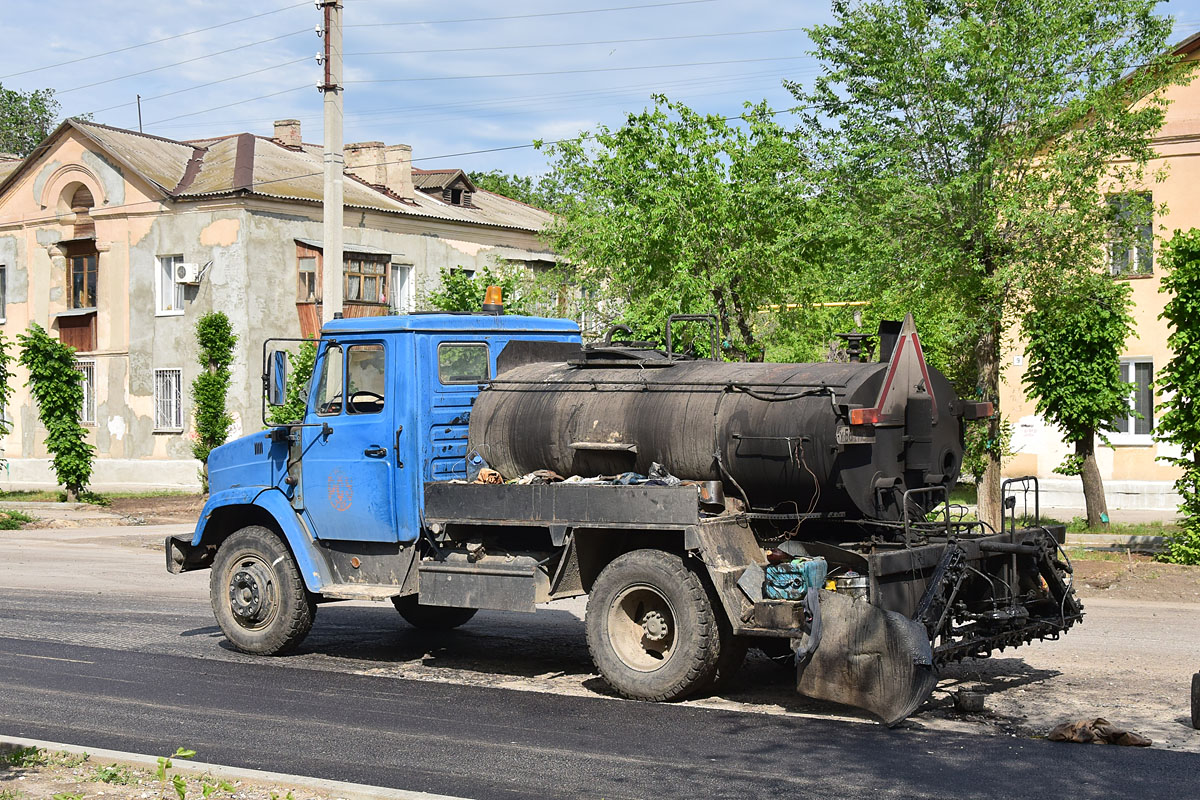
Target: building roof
<point x="246" y="164"/>
<point x="436" y="179"/>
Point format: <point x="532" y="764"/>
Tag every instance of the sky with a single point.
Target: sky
<point x="448" y="78"/>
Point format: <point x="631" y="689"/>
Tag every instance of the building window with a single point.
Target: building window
<point x="365" y="278"/>
<point x="3" y="292"/>
<point x="169" y="291"/>
<point x="1131" y="251"/>
<point x="81" y="280"/>
<point x="401" y="294"/>
<point x="87" y="414"/>
<point x="1140" y="423"/>
<point x="306" y="287"/>
<point x="168" y="405"/>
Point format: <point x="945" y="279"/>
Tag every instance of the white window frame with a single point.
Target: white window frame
<point x="402" y="300"/>
<point x="3" y="293"/>
<point x="1138" y="251"/>
<point x="167" y="264"/>
<point x="1131" y="438"/>
<point x="168" y="409"/>
<point x="87" y="367"/>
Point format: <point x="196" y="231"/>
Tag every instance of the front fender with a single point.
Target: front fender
<point x="271" y="500"/>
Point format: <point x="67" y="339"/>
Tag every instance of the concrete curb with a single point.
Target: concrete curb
<point x="338" y="789"/>
<point x="1116" y="541"/>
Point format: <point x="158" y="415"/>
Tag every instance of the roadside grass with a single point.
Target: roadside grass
<point x="94" y="498"/>
<point x="13" y="520"/>
<point x="1112" y="556"/>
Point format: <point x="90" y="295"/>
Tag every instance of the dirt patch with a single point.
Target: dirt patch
<point x="1137" y="578"/>
<point x="159" y="510"/>
<point x="66" y="776"/>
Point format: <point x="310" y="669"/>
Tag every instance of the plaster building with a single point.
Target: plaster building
<point x="1133" y="476"/>
<point x="117" y="242"/>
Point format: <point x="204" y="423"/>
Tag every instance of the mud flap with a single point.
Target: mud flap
<point x="876" y="660"/>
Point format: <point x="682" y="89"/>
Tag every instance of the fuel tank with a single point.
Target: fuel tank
<point x="782" y="437"/>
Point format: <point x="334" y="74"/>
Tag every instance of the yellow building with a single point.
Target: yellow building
<point x="1134" y="477"/>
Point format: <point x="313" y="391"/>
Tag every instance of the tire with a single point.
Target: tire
<point x="732" y="653"/>
<point x="651" y="628"/>
<point x="431" y="618"/>
<point x="257" y="594"/>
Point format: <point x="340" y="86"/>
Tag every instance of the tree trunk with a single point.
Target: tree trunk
<point x="1093" y="486"/>
<point x="987" y="359"/>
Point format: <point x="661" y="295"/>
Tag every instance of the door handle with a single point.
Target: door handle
<point x="375" y="451"/>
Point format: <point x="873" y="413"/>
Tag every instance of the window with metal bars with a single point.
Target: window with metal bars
<point x="87" y="414"/>
<point x="168" y="399"/>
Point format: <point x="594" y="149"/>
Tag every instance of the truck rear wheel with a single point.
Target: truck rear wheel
<point x="431" y="618"/>
<point x="651" y="627"/>
<point x="257" y="594"/>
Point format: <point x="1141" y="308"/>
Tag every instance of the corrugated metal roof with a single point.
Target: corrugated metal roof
<point x="162" y="161"/>
<point x="261" y="166"/>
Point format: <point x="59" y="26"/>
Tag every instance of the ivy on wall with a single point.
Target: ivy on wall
<point x="57" y="388"/>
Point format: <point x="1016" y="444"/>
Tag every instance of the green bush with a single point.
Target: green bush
<point x="215" y="336"/>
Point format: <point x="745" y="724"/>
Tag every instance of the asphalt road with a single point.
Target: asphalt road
<point x="99" y="647"/>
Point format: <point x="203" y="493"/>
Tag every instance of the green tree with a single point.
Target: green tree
<point x="1074" y="341"/>
<point x="540" y="192"/>
<point x="975" y="139"/>
<point x="216" y="340"/>
<point x="300" y="370"/>
<point x="26" y="118"/>
<point x="57" y="388"/>
<point x="1179" y="382"/>
<point x="679" y="212"/>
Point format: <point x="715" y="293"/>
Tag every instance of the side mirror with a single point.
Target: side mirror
<point x="277" y="365"/>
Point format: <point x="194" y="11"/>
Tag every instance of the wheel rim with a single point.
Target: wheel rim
<point x="642" y="628"/>
<point x="252" y="595"/>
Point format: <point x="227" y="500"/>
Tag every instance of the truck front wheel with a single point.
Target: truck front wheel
<point x="651" y="627"/>
<point x="257" y="594"/>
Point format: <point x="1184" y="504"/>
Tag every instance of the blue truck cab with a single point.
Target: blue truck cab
<point x="388" y="409"/>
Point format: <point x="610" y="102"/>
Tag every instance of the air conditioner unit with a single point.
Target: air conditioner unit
<point x="187" y="273"/>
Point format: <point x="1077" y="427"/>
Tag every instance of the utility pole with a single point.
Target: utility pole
<point x="331" y="282"/>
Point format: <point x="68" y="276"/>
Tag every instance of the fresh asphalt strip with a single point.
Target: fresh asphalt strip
<point x="484" y="742"/>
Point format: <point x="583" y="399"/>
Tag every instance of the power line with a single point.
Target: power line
<point x="235" y="103"/>
<point x="155" y="41"/>
<point x="189" y="61"/>
<point x="568" y="44"/>
<point x="202" y="85"/>
<point x="527" y="16"/>
<point x="577" y="71"/>
<point x="550" y="97"/>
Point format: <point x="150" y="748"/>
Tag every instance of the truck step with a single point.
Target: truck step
<point x="361" y="591"/>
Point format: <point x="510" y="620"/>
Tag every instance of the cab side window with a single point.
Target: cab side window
<point x="329" y="385"/>
<point x="465" y="362"/>
<point x="366" y="387"/>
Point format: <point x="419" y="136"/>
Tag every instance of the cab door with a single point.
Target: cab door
<point x="349" y="462"/>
